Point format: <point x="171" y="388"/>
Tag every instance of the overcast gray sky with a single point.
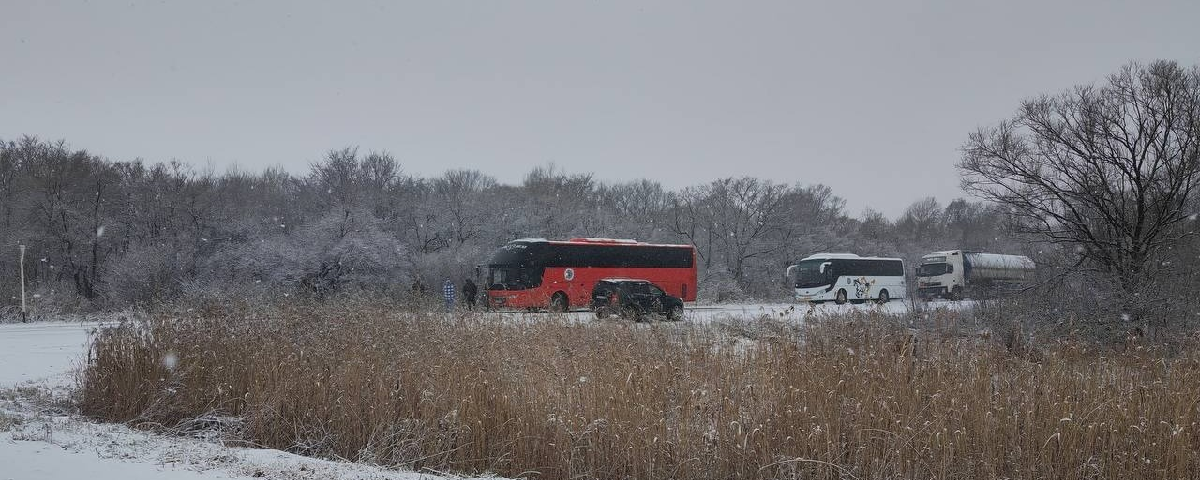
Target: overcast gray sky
<point x="873" y="99"/>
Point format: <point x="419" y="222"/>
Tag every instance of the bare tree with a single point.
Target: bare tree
<point x="872" y="225"/>
<point x="737" y="218"/>
<point x="457" y="194"/>
<point x="922" y="221"/>
<point x="564" y="203"/>
<point x="1106" y="171"/>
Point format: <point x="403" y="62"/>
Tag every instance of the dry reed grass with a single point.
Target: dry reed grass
<point x="852" y="397"/>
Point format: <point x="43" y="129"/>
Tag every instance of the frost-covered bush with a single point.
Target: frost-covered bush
<point x="719" y="286"/>
<point x="335" y="251"/>
<point x="145" y="273"/>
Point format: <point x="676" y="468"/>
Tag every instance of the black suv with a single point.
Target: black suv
<point x="633" y="298"/>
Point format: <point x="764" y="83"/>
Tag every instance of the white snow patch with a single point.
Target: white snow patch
<point x="41" y="352"/>
<point x="51" y="447"/>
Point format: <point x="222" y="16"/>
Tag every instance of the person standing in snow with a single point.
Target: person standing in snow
<point x="448" y="294"/>
<point x="469" y="291"/>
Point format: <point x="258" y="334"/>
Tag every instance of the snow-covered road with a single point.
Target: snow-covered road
<point x="42" y="353"/>
<point x="700" y="313"/>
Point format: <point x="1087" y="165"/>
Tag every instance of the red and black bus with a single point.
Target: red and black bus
<point x="539" y="273"/>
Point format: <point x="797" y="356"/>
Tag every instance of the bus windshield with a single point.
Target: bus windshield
<point x="809" y="273"/>
<point x="509" y="277"/>
<point x="515" y="266"/>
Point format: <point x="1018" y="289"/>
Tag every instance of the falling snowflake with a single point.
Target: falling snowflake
<point x="100" y="231"/>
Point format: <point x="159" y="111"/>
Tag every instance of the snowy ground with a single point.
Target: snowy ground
<point x="41" y="439"/>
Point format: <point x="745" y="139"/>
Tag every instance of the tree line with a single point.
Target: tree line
<point x="115" y="233"/>
<point x="1096" y="183"/>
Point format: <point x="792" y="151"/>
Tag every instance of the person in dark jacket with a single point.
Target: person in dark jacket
<point x="468" y="293"/>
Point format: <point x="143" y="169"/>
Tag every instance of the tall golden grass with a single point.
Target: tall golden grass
<point x="545" y="397"/>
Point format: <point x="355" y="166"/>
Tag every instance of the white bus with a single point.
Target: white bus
<point x="846" y="277"/>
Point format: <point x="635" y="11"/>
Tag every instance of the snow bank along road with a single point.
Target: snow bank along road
<point x="39" y="439"/>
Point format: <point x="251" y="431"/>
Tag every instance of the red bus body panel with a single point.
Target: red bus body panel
<point x="578" y="284"/>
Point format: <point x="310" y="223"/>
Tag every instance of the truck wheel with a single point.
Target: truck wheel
<point x="956" y="293"/>
<point x="884" y="297"/>
<point x="558" y="302"/>
<point x="841" y="297"/>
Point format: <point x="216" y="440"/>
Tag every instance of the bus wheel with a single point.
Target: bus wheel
<point x="841" y="297"/>
<point x="884" y="297"/>
<point x="558" y="302"/>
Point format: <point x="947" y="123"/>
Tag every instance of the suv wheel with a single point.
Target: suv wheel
<point x="675" y="314"/>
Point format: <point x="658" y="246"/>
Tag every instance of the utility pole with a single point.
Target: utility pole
<point x="24" y="317"/>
